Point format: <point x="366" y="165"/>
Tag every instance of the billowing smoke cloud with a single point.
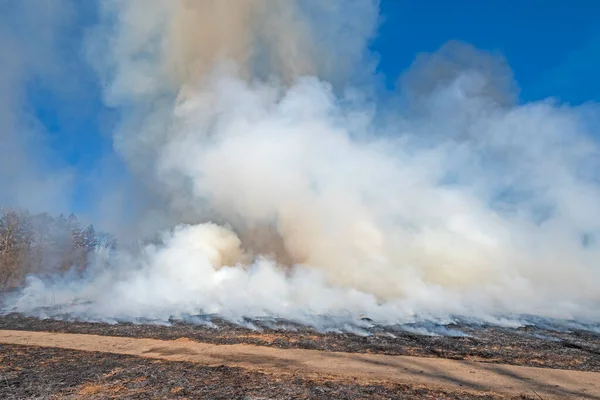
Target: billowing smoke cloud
<point x="290" y="195"/>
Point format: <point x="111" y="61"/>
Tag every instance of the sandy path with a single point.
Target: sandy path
<point x="449" y="374"/>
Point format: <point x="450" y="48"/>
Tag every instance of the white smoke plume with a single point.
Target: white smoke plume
<point x="291" y="194"/>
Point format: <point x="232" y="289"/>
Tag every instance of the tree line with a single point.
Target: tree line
<point x="40" y="244"/>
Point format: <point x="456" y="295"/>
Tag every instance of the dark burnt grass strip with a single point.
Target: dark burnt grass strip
<point x="37" y="372"/>
<point x="574" y="350"/>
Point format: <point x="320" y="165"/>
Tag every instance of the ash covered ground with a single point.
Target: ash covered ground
<point x="546" y="344"/>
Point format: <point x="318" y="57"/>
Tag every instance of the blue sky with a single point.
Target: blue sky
<point x="552" y="46"/>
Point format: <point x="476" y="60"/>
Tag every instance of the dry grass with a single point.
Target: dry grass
<point x="35" y="372"/>
<point x="576" y="350"/>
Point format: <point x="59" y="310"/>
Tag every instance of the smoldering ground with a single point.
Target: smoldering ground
<point x="286" y="189"/>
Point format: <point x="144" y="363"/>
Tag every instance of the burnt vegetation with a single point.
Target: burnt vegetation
<point x="527" y="346"/>
<point x="37" y="372"/>
<point x="43" y="244"/>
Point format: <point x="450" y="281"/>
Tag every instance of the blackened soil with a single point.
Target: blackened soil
<point x="36" y="372"/>
<point x="575" y="350"/>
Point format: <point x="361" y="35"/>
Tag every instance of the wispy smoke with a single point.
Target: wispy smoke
<point x="29" y="45"/>
<point x="291" y="197"/>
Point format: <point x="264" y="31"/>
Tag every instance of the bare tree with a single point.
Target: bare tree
<point x="42" y="244"/>
<point x="15" y="242"/>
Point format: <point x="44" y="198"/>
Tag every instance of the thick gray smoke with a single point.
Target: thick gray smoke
<point x="290" y="197"/>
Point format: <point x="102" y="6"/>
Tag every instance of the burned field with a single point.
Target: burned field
<point x="544" y="347"/>
<point x="39" y="372"/>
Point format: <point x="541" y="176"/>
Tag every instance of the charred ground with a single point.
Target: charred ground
<point x="527" y="346"/>
<point x="37" y="372"/>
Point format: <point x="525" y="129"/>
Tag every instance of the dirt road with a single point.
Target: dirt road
<point x="449" y="374"/>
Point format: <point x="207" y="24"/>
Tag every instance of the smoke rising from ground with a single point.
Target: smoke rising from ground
<point x="289" y="195"/>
